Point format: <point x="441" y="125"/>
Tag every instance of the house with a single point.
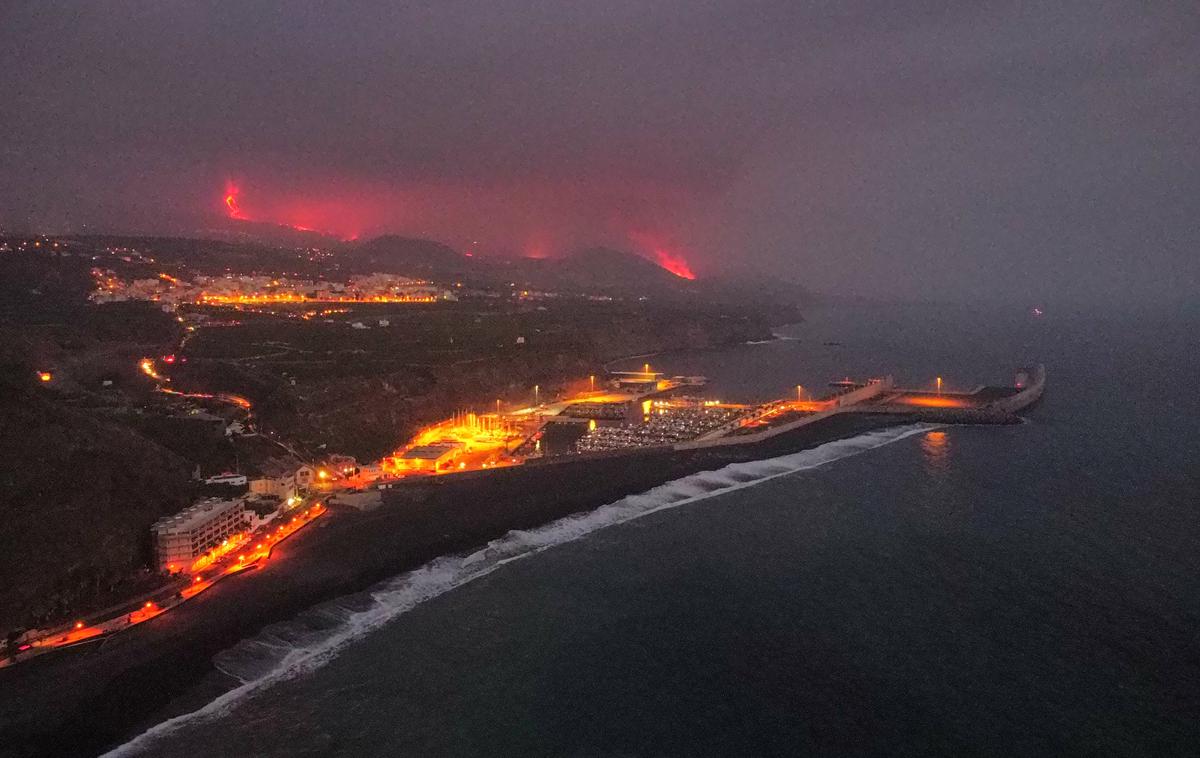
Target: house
<point x="304" y="477"/>
<point x="282" y="479"/>
<point x="282" y="487"/>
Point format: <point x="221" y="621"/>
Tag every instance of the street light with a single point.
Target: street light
<point x="535" y="394"/>
<point x="799" y="392"/>
<point x="592" y="382"/>
<point x="939" y="385"/>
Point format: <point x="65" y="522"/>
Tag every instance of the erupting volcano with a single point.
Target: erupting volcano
<point x="231" y="203"/>
<point x="674" y="263"/>
<point x="655" y="246"/>
<point x="263" y="214"/>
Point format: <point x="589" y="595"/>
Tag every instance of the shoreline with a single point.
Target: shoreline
<point x="82" y="702"/>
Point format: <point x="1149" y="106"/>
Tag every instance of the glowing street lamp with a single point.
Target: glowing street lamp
<point x="939" y="385"/>
<point x="536" y="390"/>
<point x="592" y="382"/>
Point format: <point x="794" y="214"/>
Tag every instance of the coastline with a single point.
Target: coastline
<point x="82" y="702"/>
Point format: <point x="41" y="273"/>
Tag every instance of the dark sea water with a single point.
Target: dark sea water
<point x="1022" y="590"/>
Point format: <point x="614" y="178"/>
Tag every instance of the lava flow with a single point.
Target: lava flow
<point x="231" y="203"/>
<point x="674" y="263"/>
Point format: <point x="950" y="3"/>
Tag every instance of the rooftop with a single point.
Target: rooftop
<point x="197" y="513"/>
<point x="430" y="452"/>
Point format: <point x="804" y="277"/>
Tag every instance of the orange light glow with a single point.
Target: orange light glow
<point x="45" y="376"/>
<point x="284" y="298"/>
<point x="674" y="263"/>
<point x="933" y="401"/>
<point x="78" y="624"/>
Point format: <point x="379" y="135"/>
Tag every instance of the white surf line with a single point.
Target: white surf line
<point x="394" y="597"/>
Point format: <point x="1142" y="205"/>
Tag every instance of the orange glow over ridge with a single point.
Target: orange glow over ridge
<point x="663" y="253"/>
<point x="234" y="210"/>
<point x="674" y="263"/>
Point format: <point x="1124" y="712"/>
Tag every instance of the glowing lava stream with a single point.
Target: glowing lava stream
<point x="231" y="193"/>
<point x="674" y="263"/>
<point x="665" y="254"/>
<point x="234" y="210"/>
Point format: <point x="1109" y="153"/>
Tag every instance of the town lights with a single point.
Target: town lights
<point x="322" y="474"/>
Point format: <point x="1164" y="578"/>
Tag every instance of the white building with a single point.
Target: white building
<point x="189" y="534"/>
<point x="282" y="480"/>
<point x="304" y="477"/>
<point x="282" y="487"/>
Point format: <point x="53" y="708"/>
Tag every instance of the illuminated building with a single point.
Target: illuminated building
<point x="281" y="487"/>
<point x="189" y="534"/>
<point x="282" y="480"/>
<point x="304" y="477"/>
<point x="435" y="457"/>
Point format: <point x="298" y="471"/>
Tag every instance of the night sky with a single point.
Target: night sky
<point x="1032" y="152"/>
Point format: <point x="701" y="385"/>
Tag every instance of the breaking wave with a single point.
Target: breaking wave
<point x="285" y="650"/>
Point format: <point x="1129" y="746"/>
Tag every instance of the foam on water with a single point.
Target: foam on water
<point x="285" y="650"/>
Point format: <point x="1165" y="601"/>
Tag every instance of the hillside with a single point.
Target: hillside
<point x="404" y="255"/>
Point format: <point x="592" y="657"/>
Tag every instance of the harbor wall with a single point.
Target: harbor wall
<point x="1029" y="395"/>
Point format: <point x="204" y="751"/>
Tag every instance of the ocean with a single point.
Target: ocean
<point x="921" y="590"/>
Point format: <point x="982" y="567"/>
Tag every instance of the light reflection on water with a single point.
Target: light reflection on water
<point x="935" y="447"/>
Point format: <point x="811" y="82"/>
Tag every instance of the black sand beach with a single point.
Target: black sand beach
<point x="85" y="700"/>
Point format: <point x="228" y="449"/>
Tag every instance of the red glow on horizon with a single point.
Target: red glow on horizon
<point x="674" y="263"/>
<point x="664" y="254"/>
<point x="235" y="211"/>
<point x="231" y="202"/>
